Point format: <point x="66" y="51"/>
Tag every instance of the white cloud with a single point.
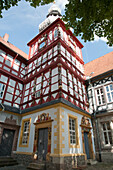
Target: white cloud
<point x="110" y="47"/>
<point x="96" y="38"/>
<point x="62" y="3"/>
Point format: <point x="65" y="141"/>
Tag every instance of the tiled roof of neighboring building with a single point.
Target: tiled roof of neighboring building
<point x="99" y="66"/>
<point x="4" y="41"/>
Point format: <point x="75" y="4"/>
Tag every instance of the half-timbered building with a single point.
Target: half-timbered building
<point x="43" y="98"/>
<point x="99" y="74"/>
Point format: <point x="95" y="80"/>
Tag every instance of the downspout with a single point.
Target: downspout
<point x="96" y="125"/>
<point x="98" y="137"/>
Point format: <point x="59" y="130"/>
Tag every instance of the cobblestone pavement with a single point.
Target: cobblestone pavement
<point x="98" y="166"/>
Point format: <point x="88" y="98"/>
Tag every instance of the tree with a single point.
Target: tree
<point x="6" y="4"/>
<point x="90" y="17"/>
<point x="86" y="17"/>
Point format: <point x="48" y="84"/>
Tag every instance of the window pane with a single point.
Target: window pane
<point x="99" y="100"/>
<point x="105" y="137"/>
<point x="42" y="45"/>
<point x="101" y="90"/>
<point x="97" y="91"/>
<point x="109" y="97"/>
<point x="112" y="95"/>
<point x="111" y="87"/>
<point x="108" y="126"/>
<point x="55" y="33"/>
<point x="110" y="137"/>
<point x="103" y="101"/>
<point x="104" y="128"/>
<point x="107" y="89"/>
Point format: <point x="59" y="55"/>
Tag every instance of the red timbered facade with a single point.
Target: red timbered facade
<point x="12" y="72"/>
<point x="55" y="69"/>
<point x="47" y="85"/>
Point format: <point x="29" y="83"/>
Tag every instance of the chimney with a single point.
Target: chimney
<point x="6" y="37"/>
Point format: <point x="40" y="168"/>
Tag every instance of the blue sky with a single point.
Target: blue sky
<point x="21" y="23"/>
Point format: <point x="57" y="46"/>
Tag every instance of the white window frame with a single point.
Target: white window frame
<point x="25" y="135"/>
<point x="109" y="92"/>
<point x="107" y="131"/>
<point x="100" y="96"/>
<point x="72" y="131"/>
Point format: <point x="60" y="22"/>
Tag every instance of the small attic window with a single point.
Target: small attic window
<point x="41" y="45"/>
<point x="55" y="32"/>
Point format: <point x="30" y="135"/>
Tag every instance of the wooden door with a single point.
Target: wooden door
<point x="7" y="142"/>
<point x="86" y="143"/>
<point x="42" y="143"/>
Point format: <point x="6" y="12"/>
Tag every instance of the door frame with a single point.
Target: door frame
<point x="41" y="125"/>
<point x="86" y="142"/>
<point x="6" y="145"/>
<point x="14" y="127"/>
<point x="39" y="145"/>
<point x="86" y="127"/>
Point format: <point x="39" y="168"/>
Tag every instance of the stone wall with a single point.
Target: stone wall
<point x="65" y="163"/>
<point x="55" y="163"/>
<point x="23" y="158"/>
<point x="105" y="156"/>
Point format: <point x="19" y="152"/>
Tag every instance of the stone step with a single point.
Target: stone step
<point x="80" y="168"/>
<point x="91" y="162"/>
<point x="7" y="161"/>
<point x="38" y="166"/>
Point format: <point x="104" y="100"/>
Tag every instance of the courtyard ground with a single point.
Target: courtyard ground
<point x="98" y="166"/>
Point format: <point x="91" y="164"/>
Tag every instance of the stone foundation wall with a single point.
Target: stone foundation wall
<point x="105" y="156"/>
<point x="55" y="163"/>
<point x="23" y="159"/>
<point x="65" y="163"/>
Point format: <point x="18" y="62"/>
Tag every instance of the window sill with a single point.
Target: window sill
<point x="21" y="145"/>
<point x="74" y="146"/>
<point x="107" y="147"/>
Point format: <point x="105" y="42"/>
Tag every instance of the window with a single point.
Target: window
<point x="107" y="137"/>
<point x="109" y="92"/>
<point x="42" y="44"/>
<point x="73" y="131"/>
<point x="25" y="131"/>
<point x="9" y="60"/>
<point x="55" y="33"/>
<point x="2" y="88"/>
<point x="100" y="96"/>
